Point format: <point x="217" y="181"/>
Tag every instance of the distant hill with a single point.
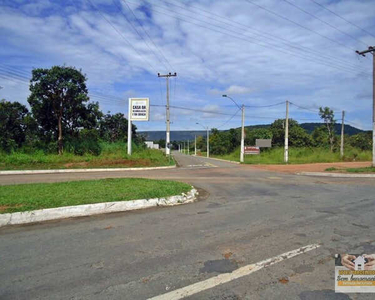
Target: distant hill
<point x="185" y="135"/>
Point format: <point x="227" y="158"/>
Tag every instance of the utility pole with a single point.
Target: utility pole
<point x="342" y="135"/>
<point x="129" y="131"/>
<point x="208" y="138"/>
<point x="168" y="134"/>
<point x="372" y="50"/>
<point x="243" y="135"/>
<point x="242" y="152"/>
<point x="208" y="142"/>
<point x="286" y="151"/>
<point x="195" y="145"/>
<point x="188" y="148"/>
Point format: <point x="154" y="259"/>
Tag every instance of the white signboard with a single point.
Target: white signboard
<point x="139" y="109"/>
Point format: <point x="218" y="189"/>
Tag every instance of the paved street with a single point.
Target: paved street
<point x="244" y="215"/>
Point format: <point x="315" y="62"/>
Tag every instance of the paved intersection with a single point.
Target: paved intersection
<point x="243" y="216"/>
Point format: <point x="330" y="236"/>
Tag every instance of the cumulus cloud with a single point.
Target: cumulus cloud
<point x="246" y="52"/>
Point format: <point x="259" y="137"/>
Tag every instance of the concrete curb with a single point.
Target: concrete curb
<point x="339" y="175"/>
<point x="26" y="172"/>
<point x="230" y="161"/>
<point x="93" y="209"/>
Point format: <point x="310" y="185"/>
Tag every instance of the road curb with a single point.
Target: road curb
<point x="56" y="171"/>
<point x="230" y="161"/>
<point x="93" y="209"/>
<point x="338" y="175"/>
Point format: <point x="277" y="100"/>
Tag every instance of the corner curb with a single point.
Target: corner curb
<point x="229" y="161"/>
<point x="55" y="171"/>
<point x="338" y="175"/>
<point x="93" y="209"/>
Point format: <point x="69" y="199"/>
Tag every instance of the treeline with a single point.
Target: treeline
<point x="61" y="117"/>
<point x="225" y="142"/>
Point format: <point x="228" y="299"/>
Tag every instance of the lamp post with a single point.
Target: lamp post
<point x="242" y="107"/>
<point x="208" y="139"/>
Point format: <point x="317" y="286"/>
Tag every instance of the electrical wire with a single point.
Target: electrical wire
<point x="271" y="105"/>
<point x="337" y="15"/>
<point x="145" y="31"/>
<point x="328" y="24"/>
<point x="121" y="35"/>
<point x="230" y="119"/>
<point x="315" y="60"/>
<point x="263" y="34"/>
<point x="137" y="32"/>
<point x="298" y="24"/>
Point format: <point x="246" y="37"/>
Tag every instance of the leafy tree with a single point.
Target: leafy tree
<point x="327" y="115"/>
<point x="14" y="122"/>
<point x="257" y="133"/>
<point x="113" y="128"/>
<point x="57" y="101"/>
<point x="219" y="142"/>
<point x="201" y="143"/>
<point x="361" y="140"/>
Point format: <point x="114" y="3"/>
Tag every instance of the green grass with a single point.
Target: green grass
<point x="112" y="155"/>
<point x="299" y="156"/>
<point x="26" y="197"/>
<point x="353" y="170"/>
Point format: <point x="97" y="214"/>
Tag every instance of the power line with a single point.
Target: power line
<point x="337" y="15"/>
<point x="328" y="24"/>
<point x="302" y="107"/>
<point x="262" y="33"/>
<point x="315" y="60"/>
<point x="298" y="24"/>
<point x="230" y="119"/>
<point x="137" y="32"/>
<point x="276" y="104"/>
<point x="145" y="31"/>
<point x="120" y="34"/>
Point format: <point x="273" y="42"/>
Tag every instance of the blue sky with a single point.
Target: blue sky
<point x="246" y="49"/>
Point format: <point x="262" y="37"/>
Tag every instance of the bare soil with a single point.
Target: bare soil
<point x="317" y="167"/>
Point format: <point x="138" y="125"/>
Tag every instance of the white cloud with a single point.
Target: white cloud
<point x="254" y="62"/>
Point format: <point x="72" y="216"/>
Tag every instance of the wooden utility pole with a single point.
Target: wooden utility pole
<point x="372" y="50"/>
<point x="286" y="149"/>
<point x="168" y="134"/>
<point x="342" y="135"/>
<point x="195" y="145"/>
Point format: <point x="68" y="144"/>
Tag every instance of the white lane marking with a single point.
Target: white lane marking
<point x="226" y="277"/>
<point x="211" y="165"/>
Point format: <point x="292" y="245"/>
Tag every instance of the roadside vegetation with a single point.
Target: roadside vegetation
<point x="64" y="130"/>
<point x="352" y="170"/>
<point x="299" y="156"/>
<point x="321" y="145"/>
<point x="26" y="197"/>
<point x="113" y="155"/>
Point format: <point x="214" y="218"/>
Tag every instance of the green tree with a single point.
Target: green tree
<point x="361" y="140"/>
<point x="114" y="128"/>
<point x="219" y="142"/>
<point x="14" y="120"/>
<point x="57" y="100"/>
<point x="257" y="133"/>
<point x="327" y="115"/>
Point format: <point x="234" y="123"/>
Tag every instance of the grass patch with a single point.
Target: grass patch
<point x="26" y="197"/>
<point x="361" y="170"/>
<point x="112" y="156"/>
<point x="299" y="156"/>
<point x="331" y="169"/>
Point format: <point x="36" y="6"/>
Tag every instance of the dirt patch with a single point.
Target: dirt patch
<point x="317" y="167"/>
<point x="110" y="163"/>
<point x="4" y="208"/>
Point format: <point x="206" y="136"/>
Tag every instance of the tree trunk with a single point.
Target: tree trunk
<point x="60" y="141"/>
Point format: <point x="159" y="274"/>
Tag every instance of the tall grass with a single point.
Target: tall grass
<point x="112" y="155"/>
<point x="300" y="156"/>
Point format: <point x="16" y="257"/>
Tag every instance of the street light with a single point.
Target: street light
<point x="208" y="139"/>
<point x="242" y="129"/>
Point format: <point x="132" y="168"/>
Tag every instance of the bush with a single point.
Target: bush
<point x="87" y="142"/>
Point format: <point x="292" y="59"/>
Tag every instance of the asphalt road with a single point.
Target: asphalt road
<point x="243" y="216"/>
